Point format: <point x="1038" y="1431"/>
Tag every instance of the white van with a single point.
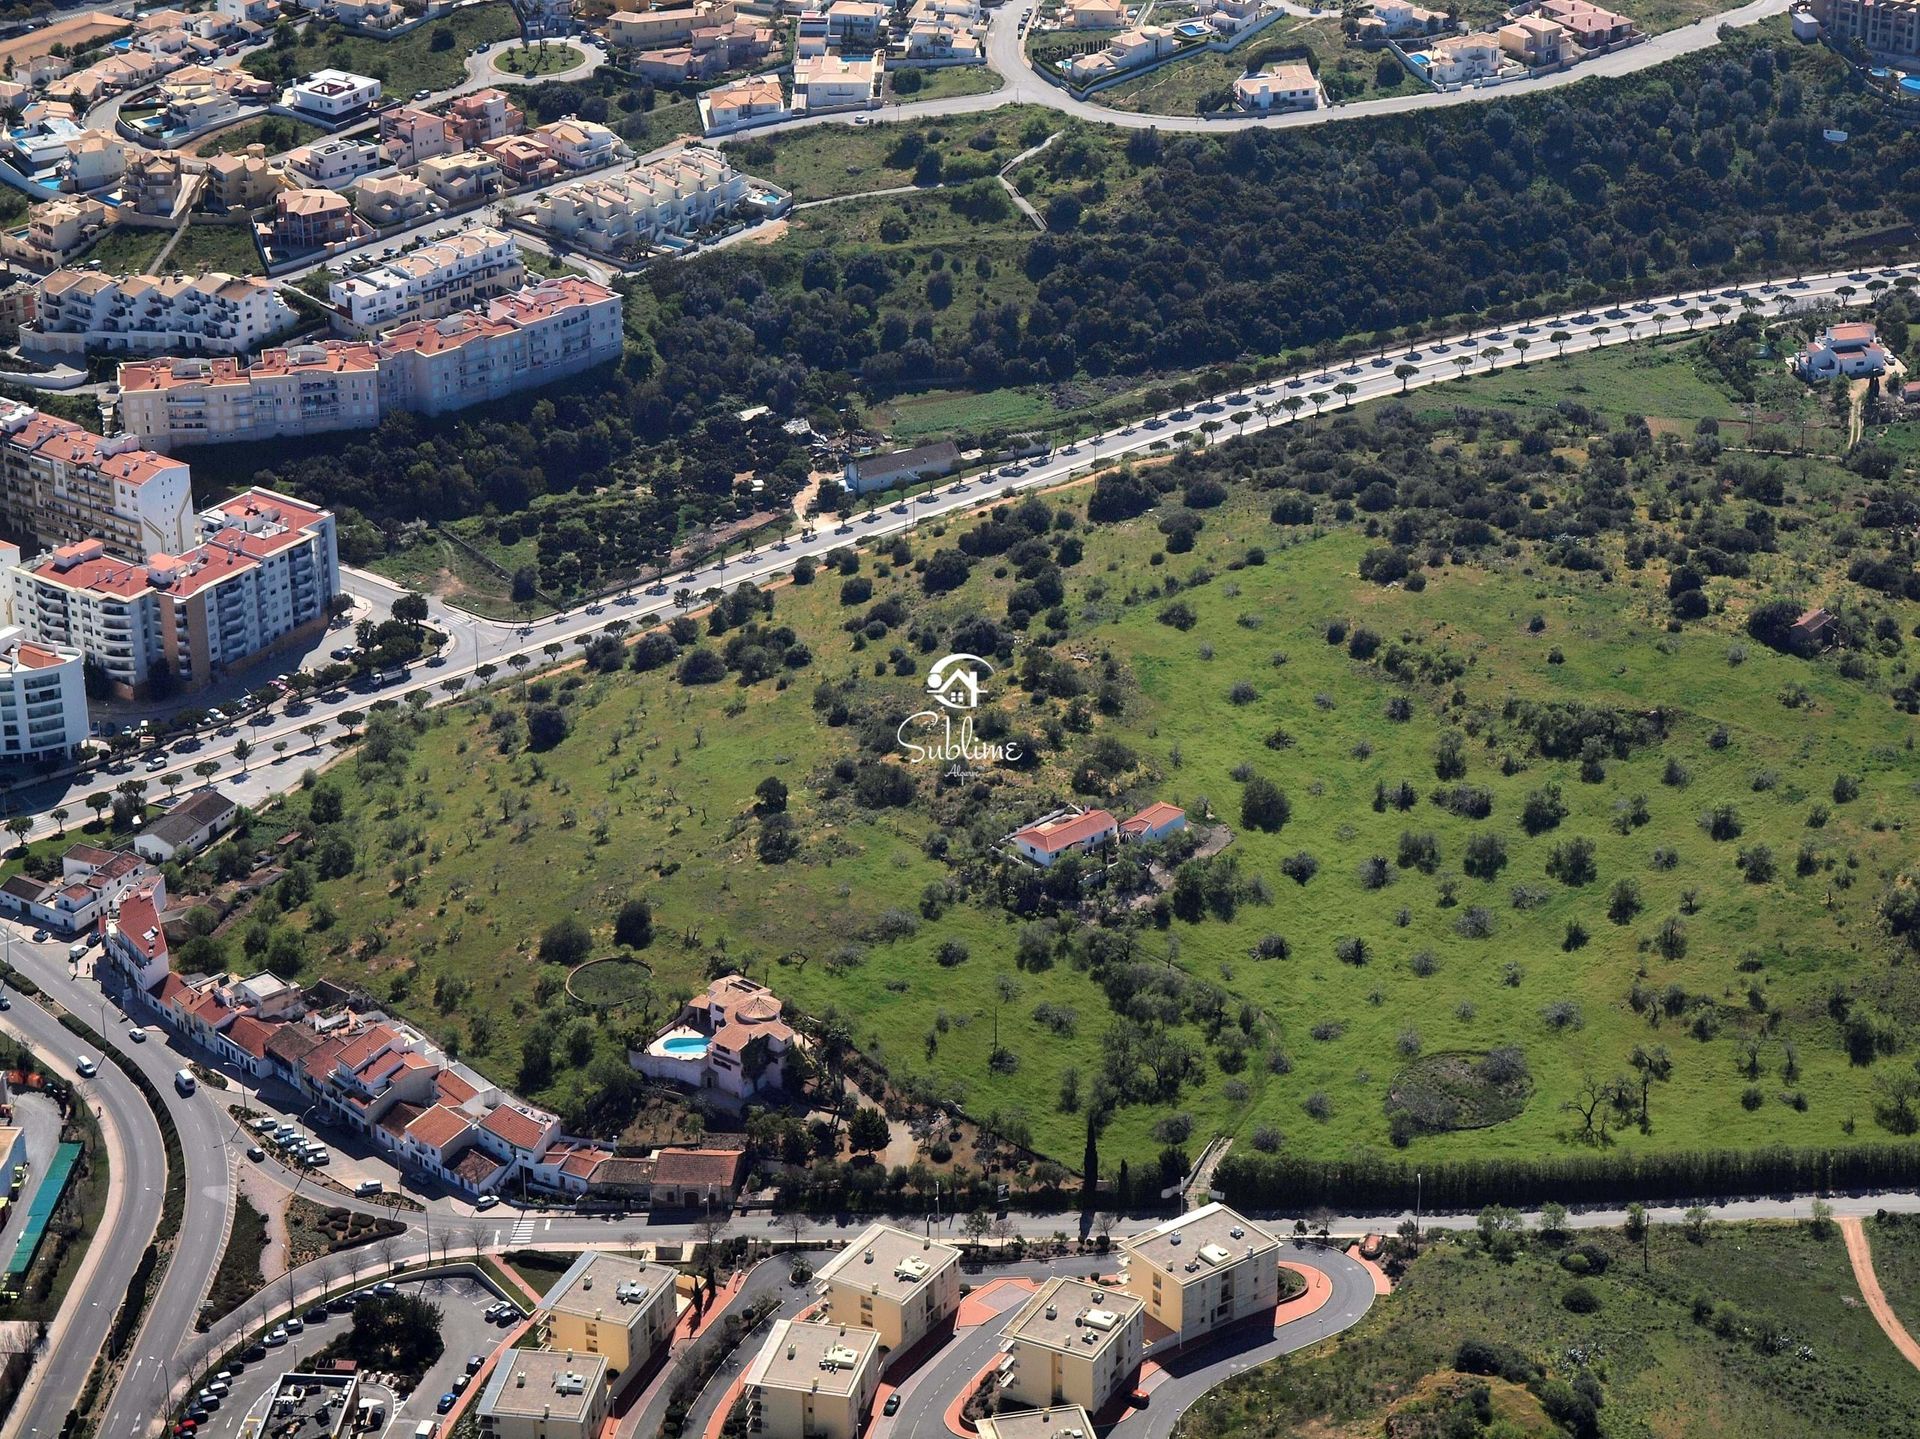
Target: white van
<point x="184" y="1081"/>
<point x="76" y="951"/>
<point x="426" y="1429"/>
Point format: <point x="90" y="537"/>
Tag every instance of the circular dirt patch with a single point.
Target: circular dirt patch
<point x="610" y="982"/>
<point x="1440" y="1093"/>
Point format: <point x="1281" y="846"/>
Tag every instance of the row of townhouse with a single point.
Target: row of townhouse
<point x="263" y="578"/>
<point x="529" y="337"/>
<point x="675" y="195"/>
<point x="84" y="311"/>
<point x="447" y="274"/>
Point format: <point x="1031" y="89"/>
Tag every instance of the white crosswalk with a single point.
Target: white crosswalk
<point x="523" y="1231"/>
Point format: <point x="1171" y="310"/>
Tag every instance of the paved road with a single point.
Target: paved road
<point x="137" y="1185"/>
<point x="205" y="1135"/>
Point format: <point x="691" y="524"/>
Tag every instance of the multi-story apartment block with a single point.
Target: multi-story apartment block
<point x="426" y="283"/>
<point x="484" y="115"/>
<point x="43" y="699"/>
<point x="65" y="483"/>
<point x="897" y="1284"/>
<point x="264" y="577"/>
<point x="532" y="337"/>
<point x="544" y="1394"/>
<point x="82" y="312"/>
<point x="812" y="1381"/>
<point x="1072" y="1343"/>
<point x="306" y="389"/>
<point x="1888" y="28"/>
<point x="1065" y="1421"/>
<point x="615" y="1307"/>
<point x="1203" y="1271"/>
<point x="675" y="195"/>
<point x="310" y="219"/>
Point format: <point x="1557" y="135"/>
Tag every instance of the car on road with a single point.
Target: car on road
<point x="157" y="763"/>
<point x="87" y="1067"/>
<point x="256" y="1153"/>
<point x="447" y="1401"/>
<point x="436" y="659"/>
<point x="5" y="1002"/>
<point x="40" y="936"/>
<point x="367" y="1188"/>
<point x="137" y="1035"/>
<point x="1156" y="423"/>
<point x="892" y="1406"/>
<point x="423" y="94"/>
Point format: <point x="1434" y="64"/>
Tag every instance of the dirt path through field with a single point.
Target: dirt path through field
<point x="1860" y="1254"/>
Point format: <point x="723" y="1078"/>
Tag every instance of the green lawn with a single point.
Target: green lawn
<point x="541" y="59"/>
<point x="207" y="246"/>
<point x="815" y="164"/>
<point x="1756" y="1333"/>
<point x="431" y="57"/>
<point x="1204" y="80"/>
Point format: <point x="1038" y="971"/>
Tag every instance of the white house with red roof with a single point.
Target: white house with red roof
<point x="1850" y="351"/>
<point x="1156" y="821"/>
<point x="1067" y="831"/>
<point x="92" y="881"/>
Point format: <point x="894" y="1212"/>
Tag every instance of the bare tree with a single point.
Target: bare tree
<point x="794" y="1221"/>
<point x="1103" y="1226"/>
<point x="711" y="1227"/>
<point x="387" y="1246"/>
<point x="475" y="1234"/>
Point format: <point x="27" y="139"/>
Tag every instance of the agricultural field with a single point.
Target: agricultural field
<point x="1751" y="1331"/>
<point x="1454" y="875"/>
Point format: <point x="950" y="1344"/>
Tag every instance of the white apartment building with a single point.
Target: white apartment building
<point x="1065" y="1421"/>
<point x="1203" y="1271"/>
<point x="897" y="1284"/>
<point x="43" y="699"/>
<point x="675" y="195"/>
<point x="424" y="284"/>
<point x="83" y="312"/>
<point x="333" y="163"/>
<point x="812" y="1381"/>
<point x="332" y="93"/>
<point x="532" y="337"/>
<point x="1072" y="1343"/>
<point x="306" y="389"/>
<point x="65" y="483"/>
<point x="263" y="577"/>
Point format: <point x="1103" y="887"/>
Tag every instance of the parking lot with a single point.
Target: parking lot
<point x="463" y="1328"/>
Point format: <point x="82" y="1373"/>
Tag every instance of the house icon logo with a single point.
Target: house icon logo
<point x="954" y="681"/>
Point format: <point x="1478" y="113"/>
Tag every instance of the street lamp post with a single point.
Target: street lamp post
<point x="1416" y="1208"/>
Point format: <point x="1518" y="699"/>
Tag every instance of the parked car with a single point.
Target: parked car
<point x="317" y="1315"/>
<point x="275" y="1338"/>
<point x="158" y="762"/>
<point x="447" y="1401"/>
<point x="367" y="1188"/>
<point x="486" y="1201"/>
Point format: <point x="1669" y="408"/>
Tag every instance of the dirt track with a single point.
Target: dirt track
<point x="1860" y="1253"/>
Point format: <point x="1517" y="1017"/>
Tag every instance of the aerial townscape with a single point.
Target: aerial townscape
<point x="1010" y="719"/>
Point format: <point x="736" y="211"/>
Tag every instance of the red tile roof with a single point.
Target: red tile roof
<point x="250" y="1035"/>
<point x="477" y="1166"/>
<point x="438" y="1127"/>
<point x="450" y="1088"/>
<point x="520" y="1130"/>
<point x="699" y="1166"/>
<point x="1064" y="834"/>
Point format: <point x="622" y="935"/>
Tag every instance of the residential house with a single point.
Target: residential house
<point x="156" y="181"/>
<point x="307" y="219"/>
<point x="1156" y="821"/>
<point x="1128" y="50"/>
<point x="657" y="29"/>
<point x="732" y="1039"/>
<point x="19" y="303"/>
<point x="1814" y="630"/>
<point x="1093" y="15"/>
<point x="1461" y="59"/>
<point x="484" y="115"/>
<point x="188" y="827"/>
<point x="461" y="179"/>
<point x="1278" y="88"/>
<point x="837" y="82"/>
<point x="581" y="144"/>
<point x="902" y="1286"/>
<point x="1591" y="27"/>
<point x="385" y="201"/>
<point x="245" y="181"/>
<point x="333" y="163"/>
<point x="937" y="40"/>
<point x="523" y="160"/>
<point x="333" y="94"/>
<point x="92" y="880"/>
<point x="1066" y="832"/>
<point x="729" y="106"/>
<point x="618" y="1309"/>
<point x="1203" y="1271"/>
<point x="812" y="1381"/>
<point x="1848" y="351"/>
<point x="676" y="195"/>
<point x="1071" y="1343"/>
<point x="1536" y="43"/>
<point x="858" y="22"/>
<point x="705" y="1179"/>
<point x="95" y="160"/>
<point x="409" y="135"/>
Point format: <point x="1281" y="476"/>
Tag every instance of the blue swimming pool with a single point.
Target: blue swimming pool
<point x="685" y="1046"/>
<point x="1911" y="84"/>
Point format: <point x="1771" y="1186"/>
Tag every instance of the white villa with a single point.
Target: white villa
<point x="1850" y="351"/>
<point x="731" y="1039"/>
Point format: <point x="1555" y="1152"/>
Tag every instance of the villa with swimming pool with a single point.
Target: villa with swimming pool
<point x="731" y="1039"/>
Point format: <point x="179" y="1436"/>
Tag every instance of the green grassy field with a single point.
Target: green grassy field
<point x="1756" y="1333"/>
<point x="652" y="790"/>
<point x="541" y="59"/>
<point x="216" y="247"/>
<point x="1895" y="1239"/>
<point x="431" y="57"/>
<point x="815" y="164"/>
<point x="942" y="84"/>
<point x="1346" y="72"/>
<point x="276" y="132"/>
<point x="124" y="250"/>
